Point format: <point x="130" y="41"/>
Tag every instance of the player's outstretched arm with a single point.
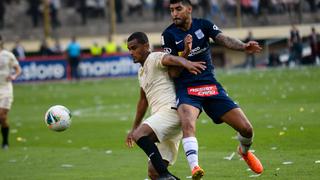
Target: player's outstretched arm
<point x="142" y="107"/>
<point x="236" y="44"/>
<point x="193" y="67"/>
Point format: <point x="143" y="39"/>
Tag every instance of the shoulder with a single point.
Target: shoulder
<point x="156" y="55"/>
<point x="169" y="30"/>
<point x="7" y="53"/>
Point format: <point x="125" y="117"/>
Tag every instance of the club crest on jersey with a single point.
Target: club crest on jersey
<point x="215" y="27"/>
<point x="167" y="50"/>
<point x="199" y="34"/>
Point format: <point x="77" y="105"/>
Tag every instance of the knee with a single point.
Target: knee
<point x="188" y="125"/>
<point x="3" y="117"/>
<point x="246" y="131"/>
<point x="136" y="135"/>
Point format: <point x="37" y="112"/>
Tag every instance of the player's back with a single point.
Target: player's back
<point x="156" y="83"/>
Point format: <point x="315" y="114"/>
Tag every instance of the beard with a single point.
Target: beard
<point x="179" y="22"/>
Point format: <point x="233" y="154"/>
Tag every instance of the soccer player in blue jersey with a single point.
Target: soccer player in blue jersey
<point x="203" y="91"/>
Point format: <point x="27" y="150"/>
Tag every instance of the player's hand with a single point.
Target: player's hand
<point x="129" y="139"/>
<point x="195" y="67"/>
<point x="188" y="42"/>
<point x="252" y="47"/>
<point x="11" y="78"/>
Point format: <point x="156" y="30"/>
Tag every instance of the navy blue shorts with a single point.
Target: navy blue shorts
<point x="212" y="98"/>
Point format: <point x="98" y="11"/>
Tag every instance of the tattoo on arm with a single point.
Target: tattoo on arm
<point x="230" y="42"/>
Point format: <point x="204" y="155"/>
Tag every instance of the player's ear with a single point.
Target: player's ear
<point x="146" y="45"/>
<point x="189" y="8"/>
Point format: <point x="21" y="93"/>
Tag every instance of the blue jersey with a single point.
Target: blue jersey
<point x="173" y="42"/>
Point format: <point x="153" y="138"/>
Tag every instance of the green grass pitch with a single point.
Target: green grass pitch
<point x="282" y="104"/>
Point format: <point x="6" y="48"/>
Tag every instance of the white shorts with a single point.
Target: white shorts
<point x="5" y="102"/>
<point x="166" y="125"/>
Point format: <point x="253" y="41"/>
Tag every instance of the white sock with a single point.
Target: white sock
<point x="190" y="146"/>
<point x="245" y="143"/>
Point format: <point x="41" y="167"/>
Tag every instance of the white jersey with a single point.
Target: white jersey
<point x="156" y="83"/>
<point x="7" y="62"/>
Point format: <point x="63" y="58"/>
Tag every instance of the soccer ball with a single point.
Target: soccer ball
<point x="58" y="118"/>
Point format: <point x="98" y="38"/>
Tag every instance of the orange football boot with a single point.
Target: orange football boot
<point x="252" y="161"/>
<point x="197" y="173"/>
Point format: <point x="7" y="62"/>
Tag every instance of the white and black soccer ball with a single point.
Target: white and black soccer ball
<point x="58" y="118"/>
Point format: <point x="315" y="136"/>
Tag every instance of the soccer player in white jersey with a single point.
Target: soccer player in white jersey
<point x="8" y="62"/>
<point x="157" y="91"/>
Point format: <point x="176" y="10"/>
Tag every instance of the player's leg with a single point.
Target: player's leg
<point x="152" y="172"/>
<point x="4" y="127"/>
<point x="238" y="120"/>
<point x="145" y="138"/>
<point x="188" y="115"/>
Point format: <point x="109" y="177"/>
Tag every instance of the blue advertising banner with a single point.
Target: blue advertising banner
<point x="108" y="67"/>
<point x="57" y="68"/>
<point x="43" y="70"/>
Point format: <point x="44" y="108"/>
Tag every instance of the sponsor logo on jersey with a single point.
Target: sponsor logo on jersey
<point x="203" y="91"/>
<point x="196" y="51"/>
<point x="178" y="42"/>
<point x="199" y="34"/>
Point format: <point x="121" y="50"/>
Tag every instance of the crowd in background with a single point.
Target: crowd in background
<point x="220" y="9"/>
<point x="92" y="9"/>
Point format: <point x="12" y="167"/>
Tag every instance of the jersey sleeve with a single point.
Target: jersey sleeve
<point x="211" y="29"/>
<point x="158" y="60"/>
<point x="13" y="60"/>
<point x="168" y="43"/>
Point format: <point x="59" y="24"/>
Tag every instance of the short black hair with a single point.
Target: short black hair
<point x="141" y="37"/>
<point x="187" y="2"/>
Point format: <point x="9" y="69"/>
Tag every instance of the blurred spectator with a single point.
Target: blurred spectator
<point x="18" y="50"/>
<point x="74" y="53"/>
<point x="2" y="13"/>
<point x="295" y="46"/>
<point x="82" y="9"/>
<point x="215" y="10"/>
<point x="255" y="6"/>
<point x="246" y="6"/>
<point x="111" y="46"/>
<point x="57" y="48"/>
<point x="95" y="49"/>
<point x="231" y="7"/>
<point x="119" y="8"/>
<point x="44" y="49"/>
<point x="54" y="8"/>
<point x="158" y="10"/>
<point x="205" y="6"/>
<point x="34" y="11"/>
<point x="135" y="6"/>
<point x="274" y="59"/>
<point x="96" y="8"/>
<point x="313" y="6"/>
<point x="263" y="10"/>
<point x="314" y="40"/>
<point x="250" y="57"/>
